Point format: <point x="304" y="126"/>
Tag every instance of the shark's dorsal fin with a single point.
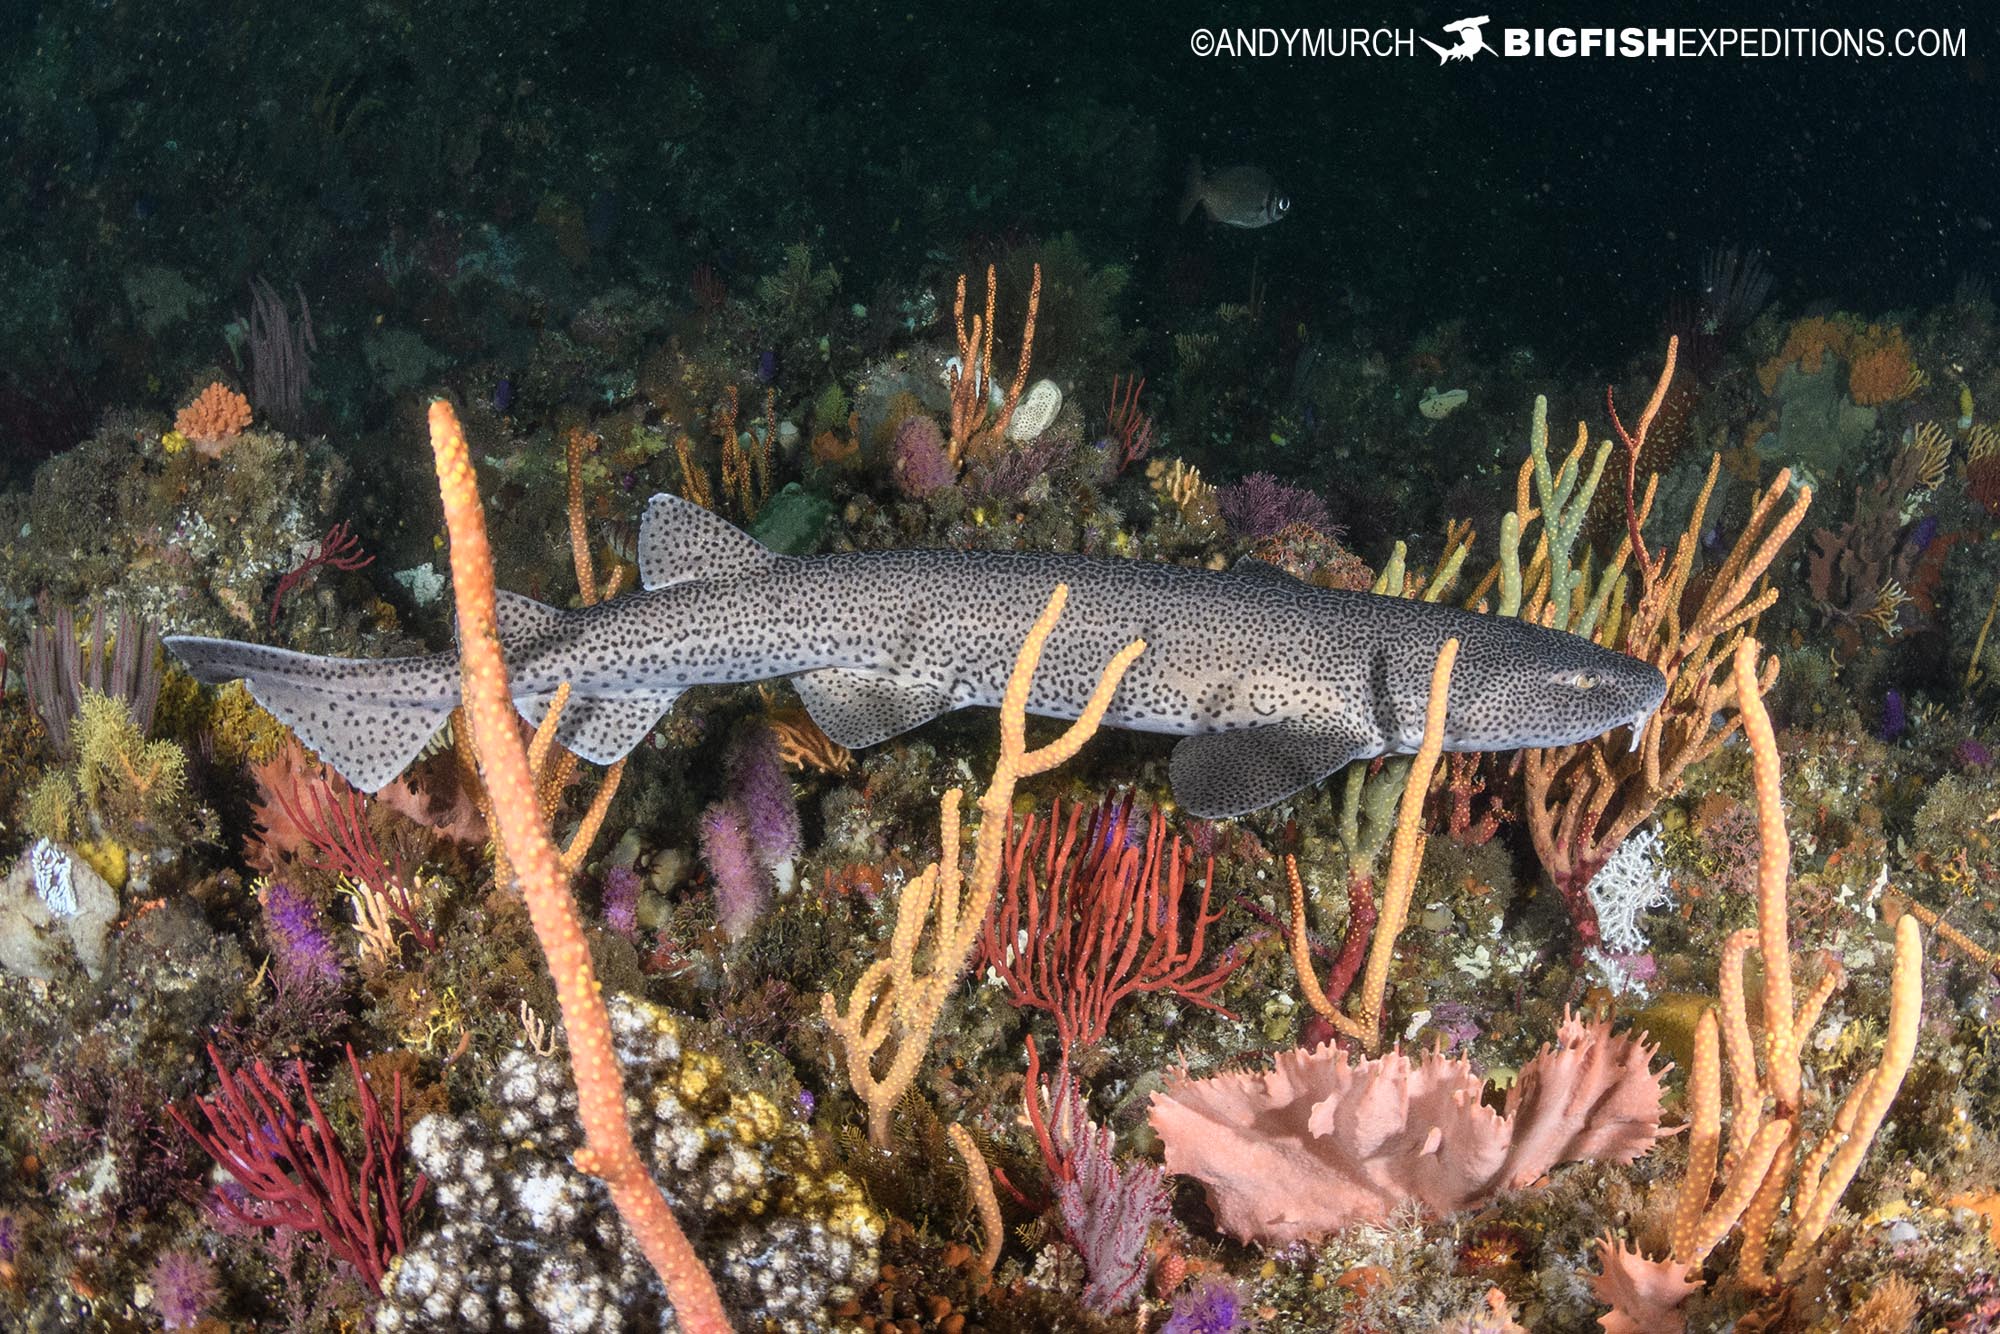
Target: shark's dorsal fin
<point x="1223" y="774"/>
<point x="1263" y="569"/>
<point x="680" y="541"/>
<point x="858" y="708"/>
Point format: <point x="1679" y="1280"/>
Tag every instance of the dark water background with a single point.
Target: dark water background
<point x="1558" y="205"/>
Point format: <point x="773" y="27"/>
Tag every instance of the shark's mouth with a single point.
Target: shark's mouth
<point x="1638" y="725"/>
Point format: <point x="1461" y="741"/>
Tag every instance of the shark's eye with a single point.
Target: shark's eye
<point x="1583" y="680"/>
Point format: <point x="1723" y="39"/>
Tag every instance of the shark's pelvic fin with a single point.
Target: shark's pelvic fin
<point x="680" y="541"/>
<point x="605" y="729"/>
<point x="1222" y="774"/>
<point x="368" y="719"/>
<point x="858" y="708"/>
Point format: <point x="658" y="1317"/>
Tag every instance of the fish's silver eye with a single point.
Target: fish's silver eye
<point x="1283" y="205"/>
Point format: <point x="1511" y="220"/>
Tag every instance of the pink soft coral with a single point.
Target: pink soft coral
<point x="1319" y="1143"/>
<point x="1644" y="1295"/>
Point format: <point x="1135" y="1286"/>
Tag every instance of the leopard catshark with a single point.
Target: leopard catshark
<point x="1271" y="684"/>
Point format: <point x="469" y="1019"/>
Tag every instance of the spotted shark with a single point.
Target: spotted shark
<point x="1270" y="683"/>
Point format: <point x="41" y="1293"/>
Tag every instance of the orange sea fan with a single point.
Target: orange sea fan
<point x="217" y="414"/>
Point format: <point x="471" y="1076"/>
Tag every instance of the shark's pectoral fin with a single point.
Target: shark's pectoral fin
<point x="1228" y="773"/>
<point x="861" y="708"/>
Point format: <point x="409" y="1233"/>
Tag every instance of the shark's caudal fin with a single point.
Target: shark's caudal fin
<point x="368" y="720"/>
<point x="371" y="719"/>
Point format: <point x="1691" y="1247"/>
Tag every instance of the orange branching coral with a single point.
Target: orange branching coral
<point x="1770" y="1160"/>
<point x="973" y="422"/>
<point x="1318" y="1143"/>
<point x="217" y="414"/>
<point x="1583" y="801"/>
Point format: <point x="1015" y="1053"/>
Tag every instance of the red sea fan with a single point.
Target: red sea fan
<point x="1319" y="1143"/>
<point x="278" y="839"/>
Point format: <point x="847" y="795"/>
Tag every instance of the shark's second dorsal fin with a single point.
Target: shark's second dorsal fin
<point x="522" y="621"/>
<point x="680" y="541"/>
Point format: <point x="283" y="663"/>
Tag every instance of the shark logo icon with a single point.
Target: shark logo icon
<point x="1470" y="40"/>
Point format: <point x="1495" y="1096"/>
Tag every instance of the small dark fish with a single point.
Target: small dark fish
<point x="1239" y="197"/>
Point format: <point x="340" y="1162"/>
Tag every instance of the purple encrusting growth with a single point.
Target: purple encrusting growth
<point x="1895" y="716"/>
<point x="918" y="460"/>
<point x="1261" y="506"/>
<point x="1212" y="1306"/>
<point x="760" y="786"/>
<point x="621" y="900"/>
<point x="742" y="885"/>
<point x="183" y="1285"/>
<point x="301" y="949"/>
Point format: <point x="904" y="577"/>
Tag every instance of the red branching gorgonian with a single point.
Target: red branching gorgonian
<point x="296" y="1168"/>
<point x="1078" y="930"/>
<point x="340" y="549"/>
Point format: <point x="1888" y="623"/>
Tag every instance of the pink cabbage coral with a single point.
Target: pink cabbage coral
<point x="1319" y="1143"/>
<point x="1644" y="1295"/>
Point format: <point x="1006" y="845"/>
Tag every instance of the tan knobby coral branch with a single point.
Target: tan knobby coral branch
<point x="1405" y="856"/>
<point x="979" y="1180"/>
<point x="894" y="1008"/>
<point x="523" y="831"/>
<point x="1764" y="1165"/>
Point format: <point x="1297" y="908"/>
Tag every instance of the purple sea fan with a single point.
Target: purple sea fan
<point x="1261" y="506"/>
<point x="301" y="949"/>
<point x="183" y="1285"/>
<point x="920" y="465"/>
<point x="741" y="884"/>
<point x="1107" y="1209"/>
<point x="1895" y="716"/>
<point x="761" y="787"/>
